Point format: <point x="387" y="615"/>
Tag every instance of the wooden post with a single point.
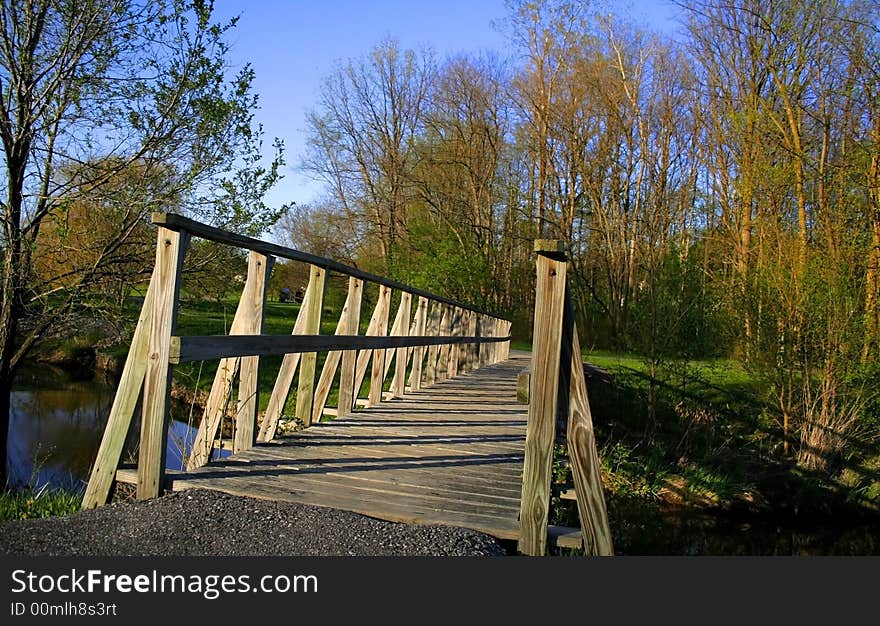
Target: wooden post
<point x="377" y="376"/>
<point x="331" y="364"/>
<point x="433" y="330"/>
<point x="284" y="380"/>
<point x="421" y="321"/>
<point x="400" y="359"/>
<point x="445" y="356"/>
<point x="305" y="391"/>
<point x="584" y="458"/>
<point x="505" y="345"/>
<point x="454" y="349"/>
<point x="483" y="348"/>
<point x="543" y="397"/>
<point x="221" y="389"/>
<point x="254" y="305"/>
<point x="119" y="422"/>
<point x="378" y="319"/>
<point x="170" y="249"/>
<point x="496" y="347"/>
<point x="472" y="348"/>
<point x="347" y="392"/>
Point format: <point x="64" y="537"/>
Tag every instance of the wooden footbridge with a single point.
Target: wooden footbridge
<point x="444" y="441"/>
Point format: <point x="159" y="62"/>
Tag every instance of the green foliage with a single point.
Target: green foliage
<point x="37" y="503"/>
<point x="676" y="313"/>
<point x="437" y="260"/>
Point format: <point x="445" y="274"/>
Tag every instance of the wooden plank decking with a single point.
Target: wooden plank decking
<point x="451" y="454"/>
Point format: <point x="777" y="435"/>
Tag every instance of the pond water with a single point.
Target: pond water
<point x="56" y="425"/>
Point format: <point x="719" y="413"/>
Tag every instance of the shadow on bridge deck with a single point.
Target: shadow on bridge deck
<point x="449" y="454"/>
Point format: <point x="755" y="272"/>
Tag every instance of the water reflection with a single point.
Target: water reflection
<point x="56" y="424"/>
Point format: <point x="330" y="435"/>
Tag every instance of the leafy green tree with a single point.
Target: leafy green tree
<point x="95" y="86"/>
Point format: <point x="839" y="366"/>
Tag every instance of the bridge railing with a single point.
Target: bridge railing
<point x="558" y="395"/>
<point x="432" y="337"/>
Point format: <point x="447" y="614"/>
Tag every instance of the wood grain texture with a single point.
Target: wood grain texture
<point x="432" y="329"/>
<point x="455" y="318"/>
<point x="400" y="355"/>
<point x="305" y="390"/>
<point x="253" y="305"/>
<point x="334" y="357"/>
<point x="444" y="354"/>
<point x="170" y="249"/>
<point x="449" y="454"/>
<point x="364" y="356"/>
<point x="419" y="329"/>
<point x="347" y="391"/>
<point x="581" y="442"/>
<point x="543" y="392"/>
<point x="284" y="380"/>
<point x="377" y="375"/>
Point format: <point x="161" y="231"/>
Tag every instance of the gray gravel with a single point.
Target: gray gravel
<point x="210" y="523"/>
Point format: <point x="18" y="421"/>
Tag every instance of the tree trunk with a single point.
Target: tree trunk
<point x="5" y="413"/>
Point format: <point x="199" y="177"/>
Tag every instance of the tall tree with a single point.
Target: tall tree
<point x="362" y="137"/>
<point x="96" y="86"/>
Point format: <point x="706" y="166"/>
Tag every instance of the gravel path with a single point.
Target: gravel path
<point x="210" y="523"/>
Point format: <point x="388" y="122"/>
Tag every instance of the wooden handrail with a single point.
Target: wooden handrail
<point x="156" y="348"/>
<point x="175" y="222"/>
<point x="207" y="347"/>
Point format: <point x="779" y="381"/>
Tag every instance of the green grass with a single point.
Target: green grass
<point x="37" y="503"/>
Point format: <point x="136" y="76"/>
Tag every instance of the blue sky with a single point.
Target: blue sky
<point x="293" y="44"/>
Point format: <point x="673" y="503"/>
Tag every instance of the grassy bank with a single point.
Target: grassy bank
<point x="704" y="436"/>
<point x="37" y="503"/>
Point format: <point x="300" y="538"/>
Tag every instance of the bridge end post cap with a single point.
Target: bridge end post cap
<point x="553" y="248"/>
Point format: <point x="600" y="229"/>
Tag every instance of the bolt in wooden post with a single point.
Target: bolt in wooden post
<point x="543" y="397"/>
<point x="170" y="249"/>
<point x="305" y="390"/>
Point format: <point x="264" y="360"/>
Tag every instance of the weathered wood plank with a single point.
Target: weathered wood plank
<point x="347" y="391"/>
<point x="584" y="458"/>
<point x="376" y="321"/>
<point x="121" y="413"/>
<point x="284" y="380"/>
<point x="221" y="389"/>
<point x="377" y="375"/>
<point x="472" y="331"/>
<point x="435" y="326"/>
<point x="421" y="322"/>
<point x="331" y="363"/>
<point x="170" y="249"/>
<point x="400" y="357"/>
<point x="543" y="392"/>
<point x="252" y="303"/>
<point x="454" y="350"/>
<point x="305" y="390"/>
<point x="397" y="461"/>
